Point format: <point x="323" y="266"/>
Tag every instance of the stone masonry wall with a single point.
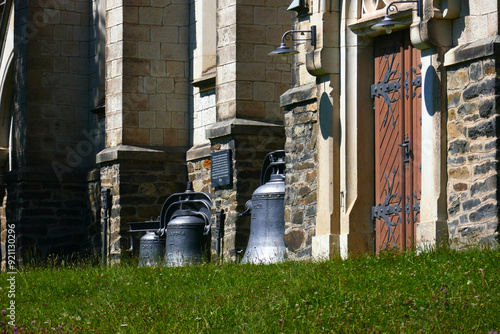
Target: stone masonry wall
<point x="301" y="178"/>
<point x="147" y="79"/>
<point x="139" y="187"/>
<point x="473" y="151"/>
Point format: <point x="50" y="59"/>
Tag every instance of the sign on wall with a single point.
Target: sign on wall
<point x="221" y="168"/>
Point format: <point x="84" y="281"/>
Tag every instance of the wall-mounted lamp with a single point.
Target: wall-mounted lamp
<point x="284" y="50"/>
<point x="389" y="24"/>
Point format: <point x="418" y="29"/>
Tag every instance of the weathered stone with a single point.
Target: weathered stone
<point x="485" y="167"/>
<point x="486" y="211"/>
<point x="294" y="239"/>
<point x="458" y="147"/>
<point x="467" y="108"/>
<point x="487" y="107"/>
<point x="476" y="71"/>
<point x="454" y="207"/>
<point x="460" y="173"/>
<point x="488" y="185"/>
<point x="460" y="186"/>
<point x="483" y="129"/>
<point x="468" y="205"/>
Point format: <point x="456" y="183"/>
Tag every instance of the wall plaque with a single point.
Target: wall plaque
<point x="221" y="168"/>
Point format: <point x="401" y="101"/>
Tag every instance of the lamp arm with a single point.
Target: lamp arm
<point x="289" y="34"/>
<point x="393" y="6"/>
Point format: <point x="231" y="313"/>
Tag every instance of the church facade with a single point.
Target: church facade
<point x="391" y="140"/>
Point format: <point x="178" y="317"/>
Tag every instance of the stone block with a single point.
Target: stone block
<point x="129" y="49"/>
<point x="179" y="120"/>
<point x="251" y="71"/>
<point x="116" y="33"/>
<point x="148" y="50"/>
<point x="135" y="136"/>
<point x="79" y="65"/>
<point x="488" y="185"/>
<point x="489" y="210"/>
<point x="263" y="91"/>
<point x="483" y="129"/>
<point x="165" y="34"/>
<point x="70" y="18"/>
<point x="244" y="15"/>
<point x="51" y="48"/>
<point x="487" y="107"/>
<point x="229" y="15"/>
<point x="170" y="137"/>
<point x="244" y="90"/>
<point x="133" y="66"/>
<point x="455" y="129"/>
<point x="171" y="51"/>
<point x="458" y="79"/>
<point x="265" y="15"/>
<point x="135" y="102"/>
<point x="147" y="119"/>
<point x="226" y="36"/>
<point x="454" y="99"/>
<point x="177" y="104"/>
<point x="150" y="16"/>
<point x="176" y="15"/>
<point x="460" y="173"/>
<point x="129" y="15"/>
<point x="157" y="102"/>
<point x="149" y="85"/>
<point x="130" y="84"/>
<point x="135" y="33"/>
<point x="251" y="34"/>
<point x="251" y="109"/>
<point x="163" y="119"/>
<point x="131" y="119"/>
<point x="176" y="69"/>
<point x="476" y="71"/>
<point x="165" y="85"/>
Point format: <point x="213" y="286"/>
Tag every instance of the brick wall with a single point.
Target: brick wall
<point x="473" y="153"/>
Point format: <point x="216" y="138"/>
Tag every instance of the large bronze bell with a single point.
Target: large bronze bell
<point x="186" y="217"/>
<point x="267" y="228"/>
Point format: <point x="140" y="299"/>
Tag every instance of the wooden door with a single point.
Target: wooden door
<point x="397" y="106"/>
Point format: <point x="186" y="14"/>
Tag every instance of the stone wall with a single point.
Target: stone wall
<point x="140" y="182"/>
<point x="301" y="177"/>
<point x="473" y="151"/>
<point x="52" y="216"/>
<point x="147" y="73"/>
<point x="51" y="187"/>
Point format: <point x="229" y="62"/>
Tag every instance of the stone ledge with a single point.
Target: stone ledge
<point x="126" y="152"/>
<point x="198" y="152"/>
<point x="474" y="50"/>
<point x="239" y="126"/>
<point x="299" y="94"/>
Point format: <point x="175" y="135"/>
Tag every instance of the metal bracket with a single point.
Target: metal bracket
<point x="384" y="210"/>
<point x="416" y="207"/>
<point x="384" y="87"/>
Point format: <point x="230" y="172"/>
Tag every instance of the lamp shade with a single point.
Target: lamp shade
<point x="388" y="24"/>
<point x="283" y="50"/>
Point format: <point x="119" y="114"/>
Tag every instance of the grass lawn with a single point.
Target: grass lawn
<point x="433" y="292"/>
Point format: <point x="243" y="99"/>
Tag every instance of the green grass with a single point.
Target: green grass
<point x="434" y="292"/>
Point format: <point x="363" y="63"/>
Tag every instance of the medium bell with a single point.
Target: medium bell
<point x="267" y="228"/>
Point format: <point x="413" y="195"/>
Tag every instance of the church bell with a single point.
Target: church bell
<point x="267" y="227"/>
<point x="186" y="217"/>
